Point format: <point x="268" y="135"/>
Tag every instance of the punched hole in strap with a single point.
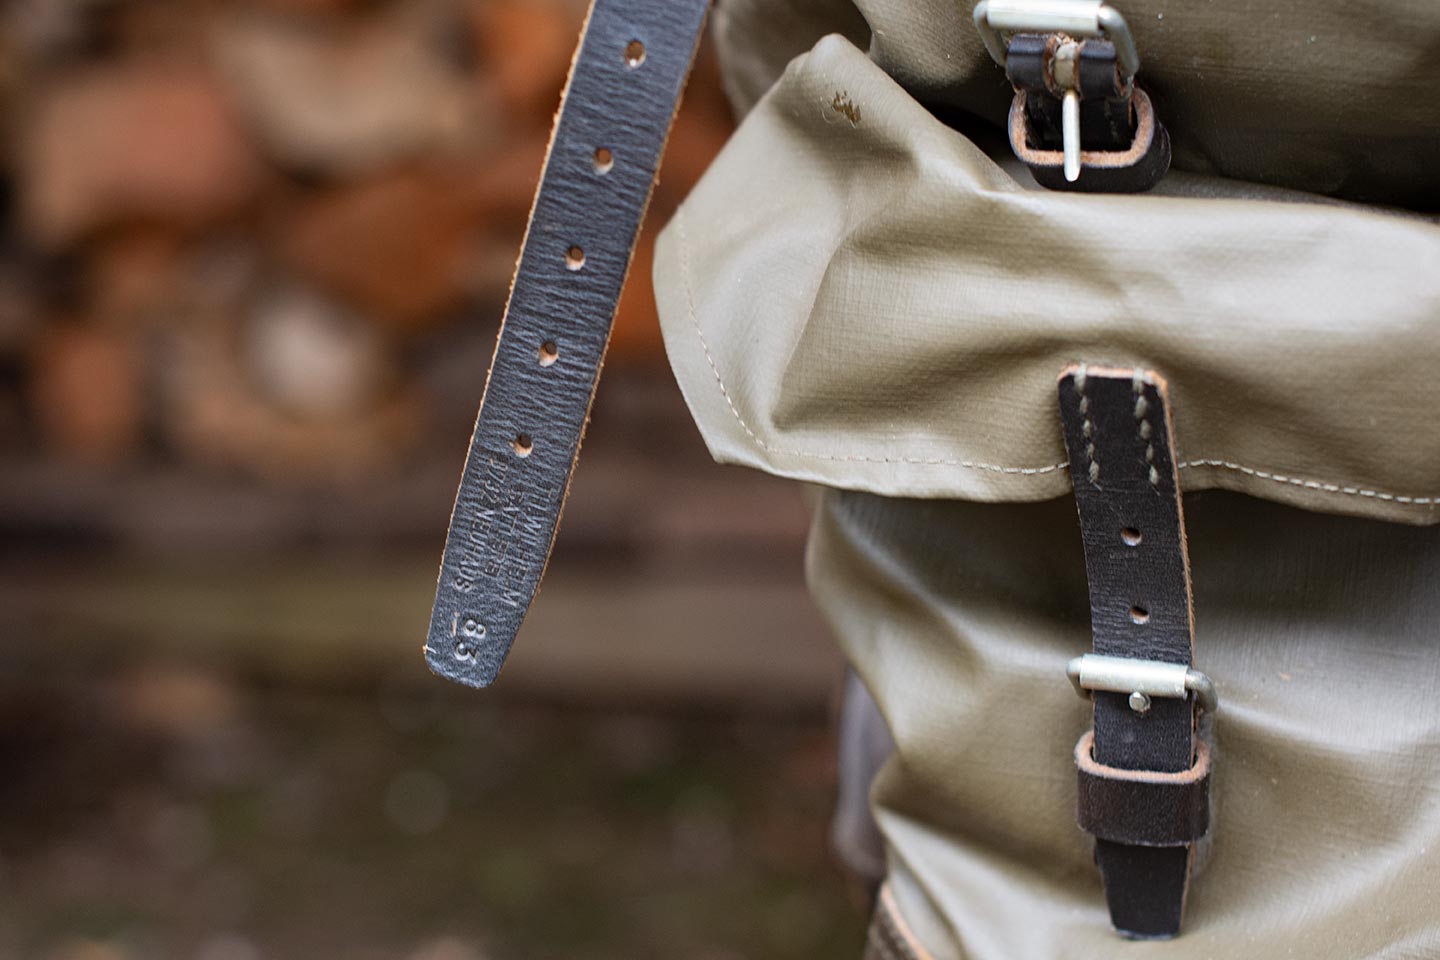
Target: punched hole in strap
<point x="575" y="258"/>
<point x="548" y="353"/>
<point x="634" y="53"/>
<point x="604" y="160"/>
<point x="522" y="445"/>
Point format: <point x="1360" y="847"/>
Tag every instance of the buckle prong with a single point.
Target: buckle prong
<point x="1070" y="133"/>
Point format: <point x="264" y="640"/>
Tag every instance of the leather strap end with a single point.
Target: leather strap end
<point x="610" y="133"/>
<point x="1140" y="807"/>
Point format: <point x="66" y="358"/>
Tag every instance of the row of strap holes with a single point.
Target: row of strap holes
<point x="603" y="161"/>
<point x="1132" y="538"/>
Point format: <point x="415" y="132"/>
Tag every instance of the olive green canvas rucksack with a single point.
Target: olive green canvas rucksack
<point x="974" y="271"/>
<point x="871" y="293"/>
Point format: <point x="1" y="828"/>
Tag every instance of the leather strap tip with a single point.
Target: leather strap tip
<point x="1142" y="807"/>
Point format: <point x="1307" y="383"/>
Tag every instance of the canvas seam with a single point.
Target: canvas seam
<point x="724" y="392"/>
<point x="1311" y="484"/>
<point x="1259" y="474"/>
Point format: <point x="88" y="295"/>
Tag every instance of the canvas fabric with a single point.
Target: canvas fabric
<point x="867" y="293"/>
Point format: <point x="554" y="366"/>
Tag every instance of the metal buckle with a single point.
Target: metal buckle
<point x="1142" y="679"/>
<point x="1067" y="18"/>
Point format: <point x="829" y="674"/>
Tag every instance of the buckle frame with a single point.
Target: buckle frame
<point x="1077" y="18"/>
<point x="1142" y="679"/>
<point x="1065" y="73"/>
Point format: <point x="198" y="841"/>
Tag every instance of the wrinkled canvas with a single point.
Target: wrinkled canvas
<point x="867" y="293"/>
<point x="860" y="296"/>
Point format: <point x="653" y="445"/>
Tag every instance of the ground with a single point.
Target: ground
<point x="170" y="812"/>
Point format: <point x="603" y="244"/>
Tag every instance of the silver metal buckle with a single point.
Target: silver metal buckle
<point x="1071" y="18"/>
<point x="1142" y="679"/>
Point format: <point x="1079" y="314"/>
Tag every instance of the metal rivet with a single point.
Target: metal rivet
<point x="1139" y="702"/>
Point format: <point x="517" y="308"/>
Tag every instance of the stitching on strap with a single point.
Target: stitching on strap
<point x="1316" y="485"/>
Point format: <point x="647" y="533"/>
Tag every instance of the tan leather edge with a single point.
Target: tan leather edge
<point x="1085" y="760"/>
<point x="889" y="925"/>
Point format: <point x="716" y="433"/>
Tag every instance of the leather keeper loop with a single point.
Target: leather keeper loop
<point x="1141" y="807"/>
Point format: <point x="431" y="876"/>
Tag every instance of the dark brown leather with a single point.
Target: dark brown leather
<point x="1122" y="463"/>
<point x="624" y="88"/>
<point x="1125" y="148"/>
<point x="1106" y="117"/>
<point x="1132" y="170"/>
<point x="1140" y="807"/>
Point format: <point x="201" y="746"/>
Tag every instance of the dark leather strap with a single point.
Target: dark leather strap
<point x="1122" y="461"/>
<point x="1139" y="807"/>
<point x="1125" y="147"/>
<point x="1134" y="169"/>
<point x="1106" y="116"/>
<point x="615" y="117"/>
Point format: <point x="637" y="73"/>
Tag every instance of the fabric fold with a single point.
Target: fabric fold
<point x="858" y="295"/>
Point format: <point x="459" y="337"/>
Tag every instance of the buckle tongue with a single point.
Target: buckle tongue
<point x="1073" y="63"/>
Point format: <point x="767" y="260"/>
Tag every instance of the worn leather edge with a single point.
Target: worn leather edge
<point x="1102" y="171"/>
<point x="1142" y="807"/>
<point x="533" y="414"/>
<point x="1120" y="436"/>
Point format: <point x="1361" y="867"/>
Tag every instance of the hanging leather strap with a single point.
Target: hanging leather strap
<point x="616" y="115"/>
<point x="1143" y="774"/>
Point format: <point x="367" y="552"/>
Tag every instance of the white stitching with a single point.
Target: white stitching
<point x="720" y="381"/>
<point x="1087" y="425"/>
<point x="1142" y="426"/>
<point x="1311" y="484"/>
<point x="1316" y="485"/>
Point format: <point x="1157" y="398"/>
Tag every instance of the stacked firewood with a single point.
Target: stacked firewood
<point x="254" y="235"/>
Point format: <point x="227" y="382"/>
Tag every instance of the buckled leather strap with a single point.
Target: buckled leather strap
<point x="1133" y="169"/>
<point x="619" y="105"/>
<point x="1143" y="774"/>
<point x="1078" y="121"/>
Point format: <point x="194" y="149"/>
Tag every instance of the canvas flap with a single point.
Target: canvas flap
<point x="860" y="296"/>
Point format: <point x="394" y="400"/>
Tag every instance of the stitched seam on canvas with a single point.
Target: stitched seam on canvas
<point x="724" y="392"/>
<point x="1311" y="484"/>
<point x="1315" y="485"/>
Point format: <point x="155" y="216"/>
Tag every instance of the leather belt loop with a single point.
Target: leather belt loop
<point x="1143" y="773"/>
<point x="615" y="117"/>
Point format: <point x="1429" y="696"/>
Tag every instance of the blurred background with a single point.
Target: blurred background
<point x="253" y="256"/>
